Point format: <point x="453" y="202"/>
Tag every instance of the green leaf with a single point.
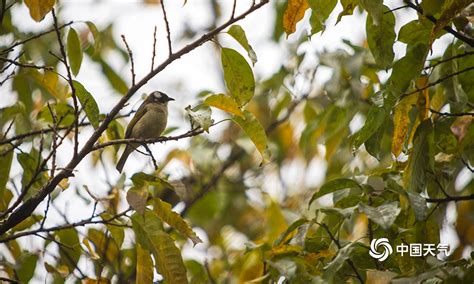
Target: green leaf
<point x="238" y="76"/>
<point x="144" y="266"/>
<point x="255" y="132"/>
<point x="416" y="31"/>
<point x="334" y="185"/>
<point x="381" y="37"/>
<point x="29" y="163"/>
<point x="348" y="8"/>
<point x="6" y="157"/>
<point x="117" y="232"/>
<point x="418" y="203"/>
<point x="150" y="235"/>
<point x="27" y="267"/>
<point x="421" y="160"/>
<point x="238" y="34"/>
<point x="71" y="249"/>
<point x="200" y="116"/>
<point x="74" y="51"/>
<point x="96" y="35"/>
<point x="88" y="103"/>
<point x="224" y="103"/>
<point x="384" y="215"/>
<point x="320" y="11"/>
<point x="117" y="83"/>
<point x="408" y="68"/>
<point x="137" y="197"/>
<point x="375" y="118"/>
<point x="27" y="223"/>
<point x="39" y="8"/>
<point x="164" y="211"/>
<point x="63" y="113"/>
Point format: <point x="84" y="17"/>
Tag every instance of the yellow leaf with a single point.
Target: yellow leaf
<point x="379" y="277"/>
<point x="224" y="103"/>
<point x="39" y="8"/>
<point x="92" y="252"/>
<point x="144" y="266"/>
<point x="293" y="14"/>
<point x="400" y="124"/>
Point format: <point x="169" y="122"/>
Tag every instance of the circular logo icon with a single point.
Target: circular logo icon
<point x="387" y="249"/>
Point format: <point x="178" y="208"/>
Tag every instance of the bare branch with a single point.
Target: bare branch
<point x="451" y="198"/>
<point x="130" y="54"/>
<point x="233" y="9"/>
<point x="151" y="155"/>
<point x="452" y="114"/>
<point x="438" y="62"/>
<point x="165" y="17"/>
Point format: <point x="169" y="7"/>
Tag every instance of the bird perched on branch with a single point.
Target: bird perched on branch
<point x="148" y="122"/>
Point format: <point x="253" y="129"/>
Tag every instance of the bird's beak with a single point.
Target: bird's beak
<point x="170" y="99"/>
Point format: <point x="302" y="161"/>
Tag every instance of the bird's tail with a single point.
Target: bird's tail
<point x="123" y="158"/>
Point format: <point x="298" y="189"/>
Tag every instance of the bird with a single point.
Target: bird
<point x="148" y="122"/>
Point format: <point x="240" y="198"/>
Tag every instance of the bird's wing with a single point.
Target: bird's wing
<point x="139" y="114"/>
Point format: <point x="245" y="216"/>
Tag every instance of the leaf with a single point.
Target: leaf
<point x="336" y="264"/>
<point x="384" y="215"/>
<point x="407" y="68"/>
<point x="381" y="37"/>
<point x="74" y="51"/>
<point x="379" y="277"/>
<point x="150" y="235"/>
<point x="117" y="83"/>
<point x="200" y="116"/>
<point x="332" y="186"/>
<point x="137" y="197"/>
<point x="255" y="132"/>
<point x="6" y="158"/>
<point x="295" y="225"/>
<point x="401" y="121"/>
<point x="238" y="34"/>
<point x="416" y="31"/>
<point x="26" y="267"/>
<point x="375" y="118"/>
<point x="39" y="8"/>
<point x="71" y="251"/>
<point x="320" y="11"/>
<point x="449" y="10"/>
<point x="238" y="76"/>
<point x="164" y="211"/>
<point x="117" y="232"/>
<point x="348" y="8"/>
<point x="27" y="223"/>
<point x="224" y="103"/>
<point x="88" y="103"/>
<point x="421" y="160"/>
<point x="418" y="203"/>
<point x="293" y="14"/>
<point x="96" y="35"/>
<point x="144" y="266"/>
<point x="93" y="254"/>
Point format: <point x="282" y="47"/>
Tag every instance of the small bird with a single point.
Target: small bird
<point x="149" y="122"/>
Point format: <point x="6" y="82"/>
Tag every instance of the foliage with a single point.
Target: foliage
<point x="391" y="128"/>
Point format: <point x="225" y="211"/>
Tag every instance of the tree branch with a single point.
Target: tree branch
<point x="464" y="38"/>
<point x="27" y="208"/>
<point x="450" y="198"/>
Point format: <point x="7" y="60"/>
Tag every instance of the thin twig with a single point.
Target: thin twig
<point x="151" y="155"/>
<point x="471" y="169"/>
<point x="450" y="198"/>
<point x="25" y="65"/>
<point x="130" y="54"/>
<point x="440" y="80"/>
<point x="71" y="85"/>
<point x="34" y="37"/>
<point x="233" y="9"/>
<point x="438" y="62"/>
<point x="154" y="51"/>
<point x="395" y="9"/>
<point x="168" y="32"/>
<point x="452" y="114"/>
<point x="88" y="221"/>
